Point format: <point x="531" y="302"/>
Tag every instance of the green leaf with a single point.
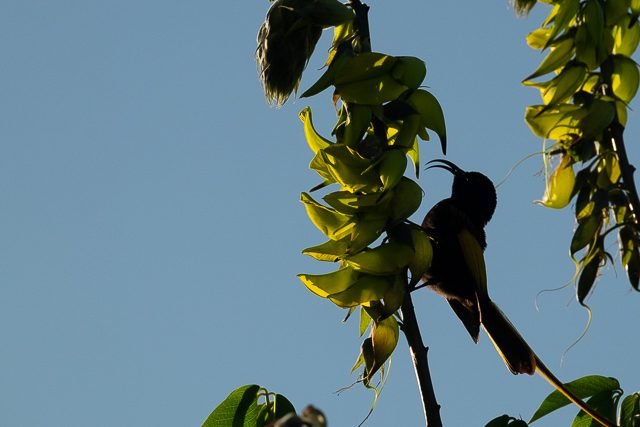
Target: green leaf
<point x="598" y="118"/>
<point x="337" y="63"/>
<point x="539" y="38"/>
<point x="408" y="132"/>
<point x="621" y="110"/>
<point x="366" y="356"/>
<point x="625" y="37"/>
<point x="332" y="223"/>
<point x="394" y="297"/>
<point x="331" y="251"/>
<point x="315" y="141"/>
<point x="407" y="196"/>
<point x="594" y="20"/>
<point x="615" y="10"/>
<point x="586" y="233"/>
<point x="363" y="291"/>
<point x="423" y="253"/>
<point x="386" y="259"/>
<point x="566" y="11"/>
<point x="564" y="84"/>
<point x="365" y="321"/>
<point x="582" y="387"/>
<point x="239" y="409"/>
<point x="357" y="123"/>
<point x="414" y="155"/>
<point x="630" y="411"/>
<point x="556" y="122"/>
<point x="558" y="57"/>
<point x="625" y="78"/>
<point x="586" y="49"/>
<point x="384" y="337"/>
<point x="506" y="421"/>
<point x="365" y="66"/>
<point x="350" y="203"/>
<point x="277" y="407"/>
<point x="350" y="169"/>
<point x="431" y="114"/>
<point x="589" y="273"/>
<point x="282" y="406"/>
<point x="374" y="91"/>
<point x="604" y="403"/>
<point x="368" y="228"/>
<point x="629" y="255"/>
<point x="392" y="168"/>
<point x="410" y="71"/>
<point x="324" y="285"/>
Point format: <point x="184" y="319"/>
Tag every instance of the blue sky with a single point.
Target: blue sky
<point x="151" y="231"/>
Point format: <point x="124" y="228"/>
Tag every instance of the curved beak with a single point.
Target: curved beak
<point x="446" y="164"/>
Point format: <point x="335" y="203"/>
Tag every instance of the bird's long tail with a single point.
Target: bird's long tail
<point x="520" y="358"/>
<point x="513" y="349"/>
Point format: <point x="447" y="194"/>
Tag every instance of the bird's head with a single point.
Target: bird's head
<point x="473" y="192"/>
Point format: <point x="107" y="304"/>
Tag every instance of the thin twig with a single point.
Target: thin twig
<point x="418" y="352"/>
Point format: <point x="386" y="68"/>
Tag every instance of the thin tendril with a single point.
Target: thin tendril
<point x="584" y="332"/>
<point x="514" y="167"/>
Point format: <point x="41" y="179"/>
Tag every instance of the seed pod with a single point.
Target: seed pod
<point x="285" y="44"/>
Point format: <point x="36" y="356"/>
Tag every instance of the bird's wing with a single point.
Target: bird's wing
<point x="474" y="259"/>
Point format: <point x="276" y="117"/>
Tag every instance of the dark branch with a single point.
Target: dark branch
<point x="361" y="25"/>
<point x="418" y="352"/>
<point x="615" y="132"/>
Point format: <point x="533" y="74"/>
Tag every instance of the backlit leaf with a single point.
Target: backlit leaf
<point x="407" y="196"/>
<point x="558" y="56"/>
<point x="363" y="291"/>
<point x="565" y="84"/>
<point x="365" y="321"/>
<point x="625" y="78"/>
<point x="325" y="284"/>
<point x="625" y="38"/>
<point x="348" y="167"/>
<point x="350" y="203"/>
<point x="329" y="221"/>
<point x="556" y="122"/>
<point x="330" y="251"/>
<point x="431" y="114"/>
<point x="373" y="91"/>
<point x="384" y="338"/>
<point x="539" y="38"/>
<point x="565" y="12"/>
<point x="598" y="118"/>
<point x="365" y="66"/>
<point x="394" y="297"/>
<point x="315" y="141"/>
<point x="388" y="258"/>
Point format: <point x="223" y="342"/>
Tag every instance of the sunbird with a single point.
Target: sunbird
<point x="458" y="273"/>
